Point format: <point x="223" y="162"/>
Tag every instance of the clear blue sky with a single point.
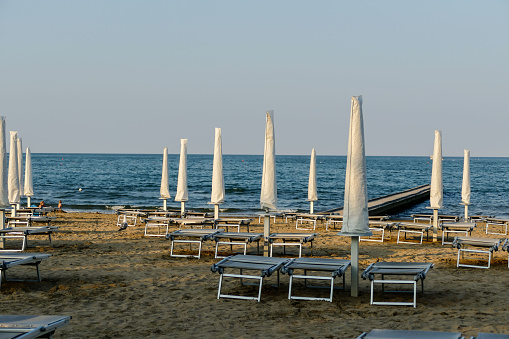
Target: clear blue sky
<point x="137" y="76"/>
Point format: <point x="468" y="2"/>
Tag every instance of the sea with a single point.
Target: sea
<point x="105" y="182"/>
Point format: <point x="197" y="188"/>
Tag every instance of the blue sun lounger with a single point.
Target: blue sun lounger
<point x="335" y="267"/>
<point x="30" y="326"/>
<point x="8" y="260"/>
<point x="405" y="334"/>
<point x="265" y="266"/>
<point x="414" y="271"/>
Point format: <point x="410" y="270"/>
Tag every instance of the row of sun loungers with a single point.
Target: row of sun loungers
<point x="264" y="267"/>
<point x="198" y="236"/>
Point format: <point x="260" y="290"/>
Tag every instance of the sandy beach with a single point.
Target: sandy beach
<point x="122" y="284"/>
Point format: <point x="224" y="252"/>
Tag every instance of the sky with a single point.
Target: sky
<point x="124" y="76"/>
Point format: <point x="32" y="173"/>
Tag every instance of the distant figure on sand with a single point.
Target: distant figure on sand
<point x="41" y="204"/>
<point x="59" y="208"/>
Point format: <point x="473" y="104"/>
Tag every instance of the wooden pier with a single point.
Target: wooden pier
<point x="393" y="203"/>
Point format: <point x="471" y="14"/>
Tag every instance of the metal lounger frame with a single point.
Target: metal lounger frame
<point x="202" y="236"/>
<point x="490" y="245"/>
<point x="501" y="224"/>
<point x="273" y="265"/>
<point x="254" y="237"/>
<point x="24" y="259"/>
<point x="418" y="270"/>
<point x="302" y="239"/>
<point x="158" y="224"/>
<point x="314" y="264"/>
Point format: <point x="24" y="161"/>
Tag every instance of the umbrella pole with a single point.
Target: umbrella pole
<point x="2" y="226"/>
<point x="466" y="212"/>
<point x="435" y="224"/>
<point x="355" y="267"/>
<point x="182" y="208"/>
<point x="165" y="206"/>
<point x="28" y="201"/>
<point x="266" y="232"/>
<point x="216" y="211"/>
<point x="311" y="207"/>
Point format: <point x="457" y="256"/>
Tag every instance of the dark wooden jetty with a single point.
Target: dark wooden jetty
<point x="393" y="203"/>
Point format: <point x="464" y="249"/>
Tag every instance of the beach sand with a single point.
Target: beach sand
<point x="124" y="285"/>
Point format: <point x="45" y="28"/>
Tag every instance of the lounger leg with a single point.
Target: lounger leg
<point x="300" y="250"/>
<point x="371" y="300"/>
<point x="50" y="242"/>
<point x="290" y="288"/>
<point x="220" y="283"/>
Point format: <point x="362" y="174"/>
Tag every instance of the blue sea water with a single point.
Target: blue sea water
<point x="108" y="181"/>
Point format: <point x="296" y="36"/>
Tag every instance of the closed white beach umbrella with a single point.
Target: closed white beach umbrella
<point x="13" y="180"/>
<point x="218" y="193"/>
<point x="4" y="196"/>
<point x="437" y="191"/>
<point x="19" y="149"/>
<point x="465" y="186"/>
<point x="268" y="196"/>
<point x="164" y="191"/>
<point x="182" y="176"/>
<point x="312" y="191"/>
<point x="355" y="208"/>
<point x="29" y="186"/>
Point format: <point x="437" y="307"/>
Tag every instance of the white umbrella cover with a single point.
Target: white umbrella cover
<point x="29" y="187"/>
<point x="19" y="149"/>
<point x="355" y="209"/>
<point x="268" y="196"/>
<point x="165" y="186"/>
<point x="218" y="193"/>
<point x="13" y="181"/>
<point x="4" y="196"/>
<point x="436" y="192"/>
<point x="465" y="187"/>
<point x="182" y="176"/>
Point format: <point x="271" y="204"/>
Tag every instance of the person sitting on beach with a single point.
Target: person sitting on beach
<point x="41" y="204"/>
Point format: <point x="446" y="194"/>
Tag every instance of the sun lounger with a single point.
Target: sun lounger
<point x="31" y="326"/>
<point x="191" y="236"/>
<point x="405" y="334"/>
<point x="128" y="216"/>
<point x="233" y="222"/>
<point x="500" y="224"/>
<point x="194" y="222"/>
<point x="428" y="218"/>
<point x="335" y="267"/>
<point x="488" y="245"/>
<point x="491" y="336"/>
<point x="291" y="239"/>
<point x="333" y="219"/>
<point x="462" y="227"/>
<point x="8" y="260"/>
<point x="160" y="223"/>
<point x="266" y="266"/>
<point x="237" y="238"/>
<point x="24" y="232"/>
<point x="413" y="271"/>
<point x="378" y="227"/>
<point x="412" y="228"/>
<point x="306" y="220"/>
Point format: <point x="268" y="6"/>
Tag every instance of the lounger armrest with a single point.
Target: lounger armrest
<point x="217" y="266"/>
<point x="286" y="269"/>
<point x="365" y="274"/>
